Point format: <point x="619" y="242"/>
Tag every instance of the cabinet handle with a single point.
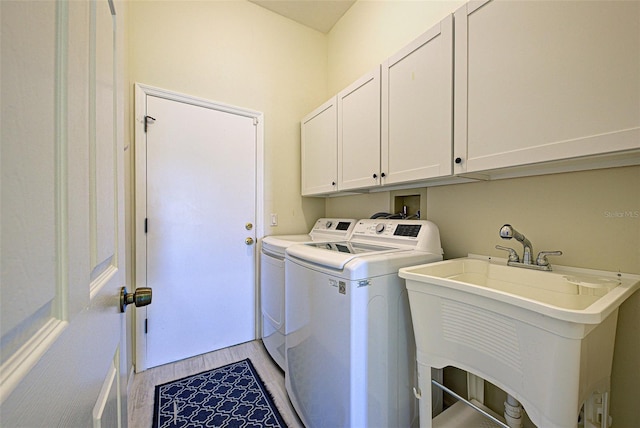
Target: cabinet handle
<point x="458" y="160"/>
<point x="333" y="183"/>
<point x="375" y="175"/>
<point x="383" y="175"/>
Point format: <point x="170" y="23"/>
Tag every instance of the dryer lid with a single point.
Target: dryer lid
<point x="277" y="244"/>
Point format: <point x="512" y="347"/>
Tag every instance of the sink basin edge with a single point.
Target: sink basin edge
<point x="430" y="277"/>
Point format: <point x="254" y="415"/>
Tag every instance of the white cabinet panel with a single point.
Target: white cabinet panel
<point x="543" y="81"/>
<point x="417" y="96"/>
<point x="359" y="133"/>
<point x="319" y="150"/>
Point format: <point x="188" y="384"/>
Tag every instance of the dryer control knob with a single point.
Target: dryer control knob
<point x="379" y="227"/>
<point x="328" y="224"/>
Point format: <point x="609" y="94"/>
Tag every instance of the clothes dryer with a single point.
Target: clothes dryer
<point x="272" y="280"/>
<point x="350" y="350"/>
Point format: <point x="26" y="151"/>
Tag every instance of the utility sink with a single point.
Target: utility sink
<point x="546" y="338"/>
<point x="569" y="294"/>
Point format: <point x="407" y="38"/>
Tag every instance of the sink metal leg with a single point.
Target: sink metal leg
<point x="470" y="404"/>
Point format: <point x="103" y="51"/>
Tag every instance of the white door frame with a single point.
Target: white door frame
<point x="141" y="92"/>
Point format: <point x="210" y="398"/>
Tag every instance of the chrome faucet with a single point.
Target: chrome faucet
<point x="508" y="232"/>
<point x="540" y="263"/>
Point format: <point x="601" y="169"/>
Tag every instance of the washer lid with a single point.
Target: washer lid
<point x="336" y="254"/>
<point x="349" y="247"/>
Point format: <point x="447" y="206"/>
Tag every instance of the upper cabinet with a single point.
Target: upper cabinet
<point x="319" y="151"/>
<point x="417" y="109"/>
<point x="545" y="81"/>
<point x="499" y="89"/>
<point x="359" y="133"/>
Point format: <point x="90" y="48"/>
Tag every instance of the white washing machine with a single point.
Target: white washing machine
<point x="350" y="349"/>
<point x="272" y="278"/>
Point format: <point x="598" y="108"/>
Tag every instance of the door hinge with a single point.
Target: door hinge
<point x="148" y="120"/>
<point x="146" y="325"/>
<point x="146" y="225"/>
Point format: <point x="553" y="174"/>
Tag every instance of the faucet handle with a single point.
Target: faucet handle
<point x="513" y="256"/>
<point x="542" y="260"/>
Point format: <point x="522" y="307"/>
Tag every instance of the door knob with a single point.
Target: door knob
<point x="248" y="241"/>
<point x="141" y="297"/>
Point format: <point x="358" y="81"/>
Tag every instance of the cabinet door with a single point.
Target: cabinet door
<point x="417" y="96"/>
<point x="319" y="150"/>
<point x="543" y="81"/>
<point x="359" y="133"/>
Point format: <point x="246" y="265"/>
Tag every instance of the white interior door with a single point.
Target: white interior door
<point x="62" y="216"/>
<point x="200" y="196"/>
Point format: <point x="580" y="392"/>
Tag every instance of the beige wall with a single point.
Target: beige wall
<point x="570" y="212"/>
<point x="238" y="53"/>
<point x="577" y="213"/>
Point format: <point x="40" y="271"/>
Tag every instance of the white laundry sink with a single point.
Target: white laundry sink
<point x="547" y="338"/>
<point x="569" y="294"/>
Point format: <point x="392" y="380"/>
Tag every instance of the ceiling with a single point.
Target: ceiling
<point x="320" y="15"/>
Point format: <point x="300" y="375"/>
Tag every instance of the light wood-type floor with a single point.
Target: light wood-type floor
<point x="143" y="385"/>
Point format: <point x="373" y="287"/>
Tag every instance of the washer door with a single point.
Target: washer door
<point x="272" y="301"/>
<point x="318" y="347"/>
<point x="272" y="289"/>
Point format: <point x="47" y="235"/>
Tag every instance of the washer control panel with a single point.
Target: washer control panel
<point x="407" y="229"/>
<point x="421" y="235"/>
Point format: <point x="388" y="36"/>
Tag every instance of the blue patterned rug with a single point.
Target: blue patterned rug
<point x="229" y="396"/>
